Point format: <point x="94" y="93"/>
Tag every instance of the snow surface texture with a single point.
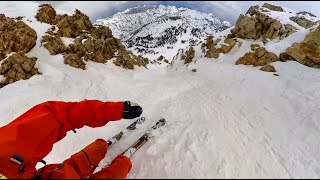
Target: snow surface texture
<point x="133" y="25"/>
<point x="224" y="121"/>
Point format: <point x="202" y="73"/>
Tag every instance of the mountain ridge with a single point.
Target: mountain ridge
<point x="154" y="26"/>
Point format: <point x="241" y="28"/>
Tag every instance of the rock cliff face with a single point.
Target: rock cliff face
<point x="256" y="24"/>
<point x="307" y="52"/>
<point x="95" y="43"/>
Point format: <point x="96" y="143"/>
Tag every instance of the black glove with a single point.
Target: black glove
<point x="131" y="110"/>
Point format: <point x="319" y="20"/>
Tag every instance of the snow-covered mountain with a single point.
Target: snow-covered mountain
<point x="152" y="29"/>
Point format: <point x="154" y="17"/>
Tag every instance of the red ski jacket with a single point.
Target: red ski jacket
<point x="30" y="137"/>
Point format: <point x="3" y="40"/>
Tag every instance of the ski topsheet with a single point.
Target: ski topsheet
<point x="124" y="133"/>
<point x="143" y="139"/>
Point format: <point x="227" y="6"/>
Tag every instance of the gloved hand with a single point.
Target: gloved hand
<point x="131" y="110"/>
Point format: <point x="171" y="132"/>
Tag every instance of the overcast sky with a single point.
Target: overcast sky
<point x="225" y="10"/>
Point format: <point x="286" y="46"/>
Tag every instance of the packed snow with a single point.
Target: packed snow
<point x="224" y="121"/>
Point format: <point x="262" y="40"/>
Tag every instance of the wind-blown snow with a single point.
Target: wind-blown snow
<point x="224" y="121"/>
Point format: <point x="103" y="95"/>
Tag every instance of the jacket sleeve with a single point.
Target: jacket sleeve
<point x="33" y="134"/>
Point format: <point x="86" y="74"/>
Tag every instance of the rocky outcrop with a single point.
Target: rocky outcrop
<point x="259" y="57"/>
<point x="53" y="44"/>
<point x="285" y="57"/>
<point x="272" y="7"/>
<point x="303" y="22"/>
<point x="129" y="60"/>
<point x="254" y="46"/>
<point x="69" y="26"/>
<point x="189" y="55"/>
<point x="212" y="51"/>
<point x="17" y="67"/>
<point x="74" y="60"/>
<point x="256" y="24"/>
<point x="46" y="14"/>
<point x="162" y="58"/>
<point x="307" y="52"/>
<point x="230" y="43"/>
<point x="73" y="26"/>
<point x="268" y="68"/>
<point x="210" y="46"/>
<point x="93" y="48"/>
<point x="15" y="36"/>
<point x="95" y="43"/>
<point x="305" y="12"/>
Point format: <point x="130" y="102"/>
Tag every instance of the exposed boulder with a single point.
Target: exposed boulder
<point x="212" y="51"/>
<point x="305" y="12"/>
<point x="160" y="58"/>
<point x="73" y="26"/>
<point x="259" y="57"/>
<point x="272" y="7"/>
<point x="46" y="14"/>
<point x="128" y="60"/>
<point x="91" y="48"/>
<point x="268" y="68"/>
<point x="17" y="67"/>
<point x="285" y="57"/>
<point x="53" y="44"/>
<point x="104" y="32"/>
<point x="256" y="24"/>
<point x="254" y="46"/>
<point x="210" y="45"/>
<point x="189" y="55"/>
<point x="74" y="60"/>
<point x="194" y="70"/>
<point x="15" y="36"/>
<point x="249" y="58"/>
<point x="230" y="44"/>
<point x="303" y="22"/>
<point x="307" y="52"/>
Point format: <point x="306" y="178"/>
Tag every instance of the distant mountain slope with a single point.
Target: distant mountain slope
<point x="147" y="27"/>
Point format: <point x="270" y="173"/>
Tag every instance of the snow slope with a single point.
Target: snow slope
<point x="224" y="121"/>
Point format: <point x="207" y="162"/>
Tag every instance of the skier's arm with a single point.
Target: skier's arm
<point x="92" y="113"/>
<point x="32" y="135"/>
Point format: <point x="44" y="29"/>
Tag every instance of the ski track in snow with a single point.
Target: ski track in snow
<point x="224" y="121"/>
